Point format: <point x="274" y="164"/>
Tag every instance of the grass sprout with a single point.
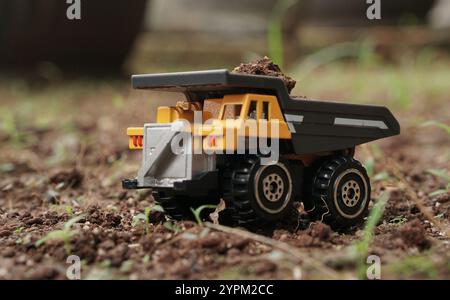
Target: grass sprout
<point x="444" y="175"/>
<point x="437" y="124"/>
<point x="144" y="218"/>
<point x="172" y="226"/>
<point x="64" y="234"/>
<point x="362" y="247"/>
<point x="198" y="211"/>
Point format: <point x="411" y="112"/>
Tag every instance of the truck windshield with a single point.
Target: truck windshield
<point x="231" y="111"/>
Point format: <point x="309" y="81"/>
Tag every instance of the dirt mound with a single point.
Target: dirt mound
<point x="413" y="235"/>
<point x="265" y="66"/>
<point x="443" y="198"/>
<point x="71" y="178"/>
<point x="398" y="206"/>
<point x="320" y="231"/>
<point x="98" y="216"/>
<point x="317" y="234"/>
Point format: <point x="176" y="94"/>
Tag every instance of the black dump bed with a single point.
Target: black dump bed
<point x="316" y="126"/>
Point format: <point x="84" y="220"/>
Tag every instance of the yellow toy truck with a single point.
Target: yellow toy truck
<point x="244" y="139"/>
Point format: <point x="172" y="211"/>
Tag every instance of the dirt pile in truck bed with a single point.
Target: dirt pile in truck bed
<point x="265" y="66"/>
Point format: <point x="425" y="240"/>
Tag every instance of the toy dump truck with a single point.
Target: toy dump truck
<point x="258" y="149"/>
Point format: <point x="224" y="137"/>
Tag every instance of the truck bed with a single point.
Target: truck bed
<point x="319" y="126"/>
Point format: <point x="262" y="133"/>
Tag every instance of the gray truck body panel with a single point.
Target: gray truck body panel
<point x="162" y="167"/>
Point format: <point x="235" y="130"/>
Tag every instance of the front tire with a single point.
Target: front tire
<point x="341" y="192"/>
<point x="174" y="207"/>
<point x="178" y="207"/>
<point x="255" y="192"/>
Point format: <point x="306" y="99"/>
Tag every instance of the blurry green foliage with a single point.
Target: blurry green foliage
<point x="412" y="266"/>
<point x="437" y="124"/>
<point x="444" y="175"/>
<point x="275" y="31"/>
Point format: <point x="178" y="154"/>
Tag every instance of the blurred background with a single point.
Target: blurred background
<point x="143" y="35"/>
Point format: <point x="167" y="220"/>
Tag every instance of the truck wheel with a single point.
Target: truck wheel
<point x="174" y="207"/>
<point x="178" y="207"/>
<point x="254" y="192"/>
<point x="341" y="192"/>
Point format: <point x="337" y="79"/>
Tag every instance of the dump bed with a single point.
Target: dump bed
<point x="316" y="126"/>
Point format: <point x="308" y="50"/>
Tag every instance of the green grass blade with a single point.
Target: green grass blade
<point x="440" y="173"/>
<point x="437" y="124"/>
<point x="74" y="220"/>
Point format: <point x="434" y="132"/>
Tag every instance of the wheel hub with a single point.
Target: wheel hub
<point x="351" y="193"/>
<point x="273" y="187"/>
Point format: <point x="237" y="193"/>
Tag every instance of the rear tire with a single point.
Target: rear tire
<point x="340" y="192"/>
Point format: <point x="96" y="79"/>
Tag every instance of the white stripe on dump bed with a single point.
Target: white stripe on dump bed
<point x="293" y="119"/>
<point x="291" y="127"/>
<point x="360" y="123"/>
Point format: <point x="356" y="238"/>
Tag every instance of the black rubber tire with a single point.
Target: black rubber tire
<point x="178" y="207"/>
<point x="245" y="201"/>
<point x="307" y="191"/>
<point x="174" y="206"/>
<point x="340" y="192"/>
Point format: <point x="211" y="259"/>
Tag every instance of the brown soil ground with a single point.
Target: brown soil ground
<point x="54" y="170"/>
